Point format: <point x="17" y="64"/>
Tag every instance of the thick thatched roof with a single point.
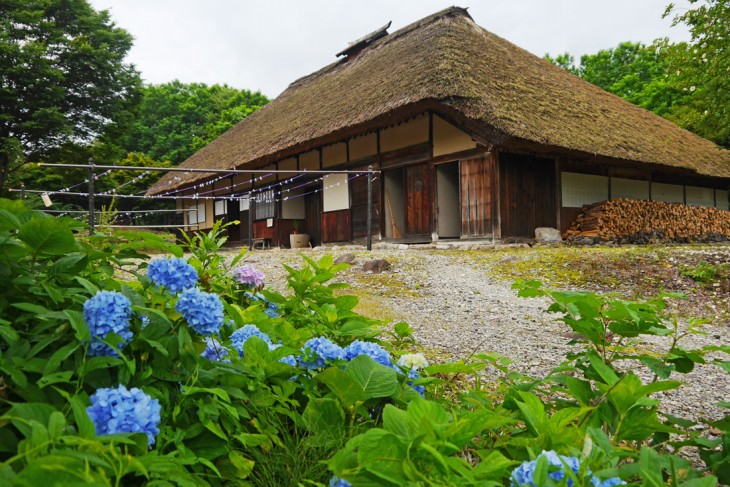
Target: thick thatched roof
<point x="446" y="60"/>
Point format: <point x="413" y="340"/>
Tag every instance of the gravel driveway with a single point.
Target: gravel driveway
<point x="456" y="309"/>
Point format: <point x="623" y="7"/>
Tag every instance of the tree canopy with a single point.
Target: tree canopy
<point x="63" y="77"/>
<point x="176" y="119"/>
<point x="687" y="83"/>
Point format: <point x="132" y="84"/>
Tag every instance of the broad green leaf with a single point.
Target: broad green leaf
<point x="56" y="425"/>
<point x="376" y="380"/>
<point x="59" y="356"/>
<point x="55" y="378"/>
<point x="533" y="411"/>
<point x="8" y="334"/>
<point x="325" y="421"/>
<point x="68" y="264"/>
<point x="604" y="371"/>
<point x="398" y="422"/>
<point x="84" y="424"/>
<point x="493" y="466"/>
<point x="8" y="221"/>
<point x="242" y="465"/>
<point x="48" y="236"/>
<point x="78" y="323"/>
<point x="90" y="287"/>
<point x="21" y="414"/>
<point x="347" y="390"/>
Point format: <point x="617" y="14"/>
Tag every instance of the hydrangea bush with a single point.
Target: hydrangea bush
<point x="172" y="273"/>
<point x="249" y="276"/>
<point x="314" y="400"/>
<point x="122" y="410"/>
<point x="107" y="312"/>
<point x="202" y="311"/>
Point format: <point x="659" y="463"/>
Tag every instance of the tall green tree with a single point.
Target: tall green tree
<point x="688" y="83"/>
<point x="639" y="73"/>
<point x="63" y="78"/>
<point x="176" y="119"/>
<point x="704" y="70"/>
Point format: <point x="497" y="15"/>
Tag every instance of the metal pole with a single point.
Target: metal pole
<point x="370" y="207"/>
<point x="22" y="191"/>
<point x="91" y="196"/>
<point x="251" y="205"/>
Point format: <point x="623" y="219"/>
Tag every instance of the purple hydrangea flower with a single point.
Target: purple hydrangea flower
<point x="239" y="337"/>
<point x="107" y="312"/>
<point x="124" y="411"/>
<point x="203" y="311"/>
<point x="172" y="273"/>
<point x="372" y="350"/>
<point x="316" y="352"/>
<point x="249" y="276"/>
<point x="214" y="351"/>
<point x="524" y="474"/>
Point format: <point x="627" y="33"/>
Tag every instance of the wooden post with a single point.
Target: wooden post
<point x="91" y="196"/>
<point x="370" y="208"/>
<point x="251" y="206"/>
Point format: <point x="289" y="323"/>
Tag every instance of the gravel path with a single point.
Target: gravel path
<point x="456" y="309"/>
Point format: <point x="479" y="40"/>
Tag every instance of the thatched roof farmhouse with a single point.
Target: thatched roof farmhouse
<point x="474" y="137"/>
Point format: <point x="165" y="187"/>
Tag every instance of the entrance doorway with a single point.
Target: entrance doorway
<point x="447" y="195"/>
<point x="407" y="202"/>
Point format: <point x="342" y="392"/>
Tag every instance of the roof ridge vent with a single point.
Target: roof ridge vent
<point x="356" y="46"/>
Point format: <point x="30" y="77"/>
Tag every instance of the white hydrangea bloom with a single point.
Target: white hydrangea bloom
<point x="413" y="361"/>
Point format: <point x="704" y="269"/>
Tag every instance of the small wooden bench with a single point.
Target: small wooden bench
<point x="262" y="243"/>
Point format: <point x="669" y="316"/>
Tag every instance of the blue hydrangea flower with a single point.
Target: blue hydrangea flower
<point x="172" y="273"/>
<point x="372" y="350"/>
<point x="239" y="337"/>
<point x="316" y="352"/>
<point x="338" y="482"/>
<point x="214" y="351"/>
<point x="612" y="482"/>
<point x="524" y="474"/>
<point x="124" y="411"/>
<point x="271" y="309"/>
<point x="289" y="360"/>
<point x="107" y="312"/>
<point x="249" y="276"/>
<point x="413" y="375"/>
<point x="203" y="311"/>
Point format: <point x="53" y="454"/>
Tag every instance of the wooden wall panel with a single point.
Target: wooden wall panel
<point x="260" y="230"/>
<point x="478" y="196"/>
<point x="313" y="217"/>
<point x="359" y="201"/>
<point x="418" y="199"/>
<point x="527" y="194"/>
<point x="336" y="226"/>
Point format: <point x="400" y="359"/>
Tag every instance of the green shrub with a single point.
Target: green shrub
<point x="295" y="388"/>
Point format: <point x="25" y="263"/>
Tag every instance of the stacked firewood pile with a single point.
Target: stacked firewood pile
<point x="643" y="221"/>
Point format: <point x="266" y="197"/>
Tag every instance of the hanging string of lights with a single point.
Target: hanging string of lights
<point x="247" y="195"/>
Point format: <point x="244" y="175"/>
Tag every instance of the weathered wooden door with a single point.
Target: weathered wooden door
<point x="527" y="194"/>
<point x="313" y="217"/>
<point x="418" y="200"/>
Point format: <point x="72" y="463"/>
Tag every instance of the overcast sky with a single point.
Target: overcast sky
<point x="265" y="45"/>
